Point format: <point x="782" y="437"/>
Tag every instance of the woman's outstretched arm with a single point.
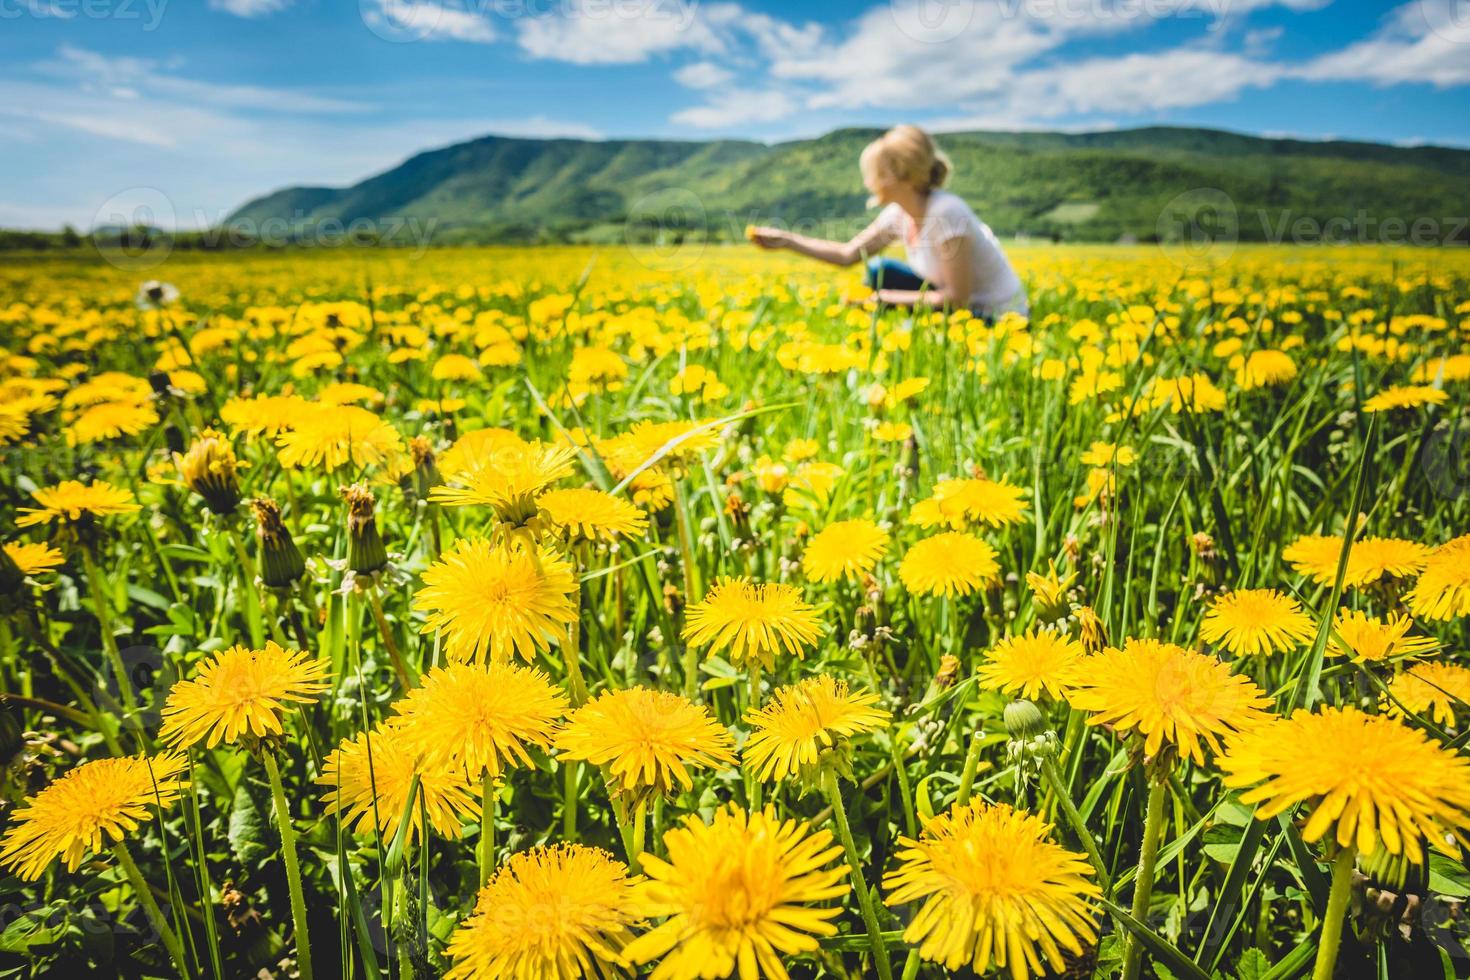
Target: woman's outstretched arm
<point x="869" y="241"/>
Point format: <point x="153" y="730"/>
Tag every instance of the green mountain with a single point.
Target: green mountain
<point x="1083" y="186"/>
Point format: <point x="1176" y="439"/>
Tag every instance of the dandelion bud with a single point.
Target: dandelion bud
<point x="1094" y="635"/>
<point x="425" y="474"/>
<point x="1203" y="545"/>
<point x="210" y="469"/>
<point x="365" y="551"/>
<point x="281" y="563"/>
<point x="1024" y="721"/>
<point x="949" y="671"/>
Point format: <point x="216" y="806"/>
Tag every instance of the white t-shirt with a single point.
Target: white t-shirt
<point x="997" y="287"/>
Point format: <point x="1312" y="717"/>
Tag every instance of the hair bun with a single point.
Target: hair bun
<point x="939" y="171"/>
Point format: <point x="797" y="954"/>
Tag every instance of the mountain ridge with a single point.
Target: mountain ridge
<point x="1098" y="185"/>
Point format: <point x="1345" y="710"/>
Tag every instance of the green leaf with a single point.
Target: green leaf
<point x="1252" y="965"/>
<point x="1164" y="953"/>
<point x="250" y="833"/>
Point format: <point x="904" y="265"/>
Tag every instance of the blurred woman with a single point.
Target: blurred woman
<point x="954" y="259"/>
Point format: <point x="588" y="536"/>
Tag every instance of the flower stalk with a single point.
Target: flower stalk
<point x="1143" y="885"/>
<point x="1332" y="919"/>
<point x="293" y="869"/>
<point x="865" y="898"/>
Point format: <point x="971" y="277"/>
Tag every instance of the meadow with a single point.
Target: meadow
<point x="563" y="612"/>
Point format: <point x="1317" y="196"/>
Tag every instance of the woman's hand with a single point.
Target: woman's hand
<point x="768" y="238"/>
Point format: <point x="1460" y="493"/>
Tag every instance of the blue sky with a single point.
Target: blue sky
<point x="188" y="108"/>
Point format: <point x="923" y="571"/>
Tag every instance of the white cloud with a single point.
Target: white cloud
<point x="1422" y="43"/>
<point x="249" y="8"/>
<point x="703" y="74"/>
<point x="425" y="20"/>
<point x="735" y="107"/>
<point x="593" y="32"/>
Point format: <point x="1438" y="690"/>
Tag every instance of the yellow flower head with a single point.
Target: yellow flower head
<point x="739" y="892"/>
<point x="1367" y="638"/>
<point x="1265" y="369"/>
<point x="592" y="515"/>
<point x="87" y="809"/>
<point x="77" y="504"/>
<point x="496" y="600"/>
<point x="959" y="504"/>
<point x="1032" y="663"/>
<point x="510" y="479"/>
<point x="238" y="693"/>
<point x="846" y="549"/>
<point x="1443" y="589"/>
<point x="1405" y="396"/>
<point x="479" y="718"/>
<point x="1368" y="778"/>
<point x="952" y="563"/>
<point x="752" y="622"/>
<point x="996" y="890"/>
<point x="369" y="776"/>
<point x="559" y="912"/>
<point x="1254" y="622"/>
<point x="331" y="436"/>
<point x="211" y="470"/>
<point x="805" y="721"/>
<point x="1050" y="590"/>
<point x="1168" y="695"/>
<point x="109" y="420"/>
<point x="1432" y="689"/>
<point x="649" y="739"/>
<point x="33" y="558"/>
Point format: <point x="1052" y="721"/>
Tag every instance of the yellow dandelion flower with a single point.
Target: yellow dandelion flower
<point x="1315" y="556"/>
<point x="952" y="563"/>
<point x="1254" y="622"/>
<point x="1367" y="638"/>
<point x="480" y="718"/>
<point x="1167" y="694"/>
<point x="738" y="893"/>
<point x="1405" y="396"/>
<point x="846" y="549"/>
<point x="240" y="692"/>
<point x="509" y="480"/>
<point x="1367" y="779"/>
<point x="492" y="601"/>
<point x="73" y="503"/>
<point x="1032" y="663"/>
<point x="559" y="912"/>
<point x="1265" y="369"/>
<point x="996" y="890"/>
<point x="889" y="431"/>
<point x="1050" y="590"/>
<point x="369" y="776"/>
<point x="752" y="622"/>
<point x="592" y="515"/>
<point x="648" y="739"/>
<point x="331" y="436"/>
<point x="958" y="504"/>
<point x="455" y="367"/>
<point x="109" y="420"/>
<point x="1443" y="589"/>
<point x="477" y="449"/>
<point x="805" y="720"/>
<point x="1432" y="689"/>
<point x="92" y="806"/>
<point x="263" y="415"/>
<point x="34" y="558"/>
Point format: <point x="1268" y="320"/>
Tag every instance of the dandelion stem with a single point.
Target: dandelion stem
<point x="488" y="808"/>
<point x="247" y="591"/>
<point x="967" y="774"/>
<point x="375" y="602"/>
<point x="865" y="899"/>
<point x="1079" y="826"/>
<point x="293" y="870"/>
<point x="1143" y="886"/>
<point x="102" y="605"/>
<point x="569" y="800"/>
<point x="1332" y="919"/>
<point x="166" y="934"/>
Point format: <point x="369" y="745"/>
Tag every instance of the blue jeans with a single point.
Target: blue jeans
<point x="884" y="273"/>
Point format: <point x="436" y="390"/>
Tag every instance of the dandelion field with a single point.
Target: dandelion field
<point x="559" y="612"/>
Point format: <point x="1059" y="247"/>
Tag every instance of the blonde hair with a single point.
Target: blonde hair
<point x="908" y="154"/>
